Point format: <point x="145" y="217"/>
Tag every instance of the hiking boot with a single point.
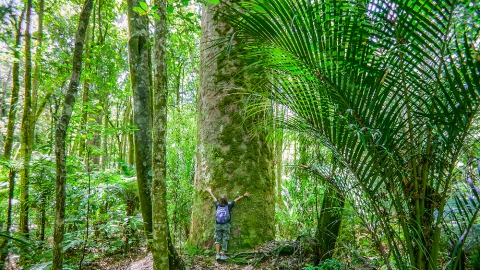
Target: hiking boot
<point x="218" y="257"/>
<point x="223" y="257"/>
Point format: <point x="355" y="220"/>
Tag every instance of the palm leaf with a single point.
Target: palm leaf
<point x="390" y="88"/>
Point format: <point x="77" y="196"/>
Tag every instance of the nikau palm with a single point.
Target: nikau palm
<point x="391" y="88"/>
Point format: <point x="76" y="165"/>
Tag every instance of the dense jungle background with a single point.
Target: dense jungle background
<point x="352" y="124"/>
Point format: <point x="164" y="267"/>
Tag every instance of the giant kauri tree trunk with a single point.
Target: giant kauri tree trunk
<point x="230" y="157"/>
<point x="61" y="133"/>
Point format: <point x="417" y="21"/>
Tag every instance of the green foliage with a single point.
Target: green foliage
<point x="100" y="175"/>
<point x="144" y="10"/>
<point x="180" y="170"/>
<point x="382" y="87"/>
<point x="330" y="264"/>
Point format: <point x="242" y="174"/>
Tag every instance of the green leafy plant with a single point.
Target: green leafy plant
<point x="390" y="88"/>
<point x="144" y="10"/>
<point x="330" y="264"/>
<point x="461" y="218"/>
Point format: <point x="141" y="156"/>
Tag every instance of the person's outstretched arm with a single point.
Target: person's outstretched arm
<point x="241" y="197"/>
<point x="209" y="189"/>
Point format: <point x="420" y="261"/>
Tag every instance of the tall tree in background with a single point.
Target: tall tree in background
<point x="159" y="185"/>
<point x="26" y="147"/>
<point x="17" y="23"/>
<point x="138" y="52"/>
<point x="37" y="108"/>
<point x="7" y="154"/>
<point x="230" y="158"/>
<point x="61" y="133"/>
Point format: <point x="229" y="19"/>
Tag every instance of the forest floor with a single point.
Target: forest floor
<point x="272" y="255"/>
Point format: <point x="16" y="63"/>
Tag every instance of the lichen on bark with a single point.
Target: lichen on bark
<point x="231" y="158"/>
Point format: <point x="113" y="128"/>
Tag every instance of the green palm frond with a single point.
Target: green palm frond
<point x="390" y="87"/>
<point x="461" y="216"/>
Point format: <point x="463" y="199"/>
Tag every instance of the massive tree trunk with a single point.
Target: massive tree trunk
<point x="230" y="157"/>
<point x="61" y="133"/>
<point x="138" y="48"/>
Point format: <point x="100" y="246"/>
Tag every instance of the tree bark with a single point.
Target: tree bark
<point x="329" y="221"/>
<point x="9" y="136"/>
<point x="230" y="158"/>
<point x="278" y="158"/>
<point x="36" y="108"/>
<point x="61" y="132"/>
<point x="3" y="99"/>
<point x="159" y="185"/>
<point x="85" y="103"/>
<point x="138" y="52"/>
<point x="15" y="89"/>
<point x="26" y="147"/>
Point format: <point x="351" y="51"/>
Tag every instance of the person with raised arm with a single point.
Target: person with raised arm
<point x="223" y="222"/>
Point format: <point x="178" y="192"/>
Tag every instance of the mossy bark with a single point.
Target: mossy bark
<point x="4" y="246"/>
<point x="159" y="186"/>
<point x="230" y="157"/>
<point x="25" y="146"/>
<point x="138" y="52"/>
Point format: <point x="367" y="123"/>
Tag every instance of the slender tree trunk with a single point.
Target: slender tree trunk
<point x="9" y="136"/>
<point x="26" y="147"/>
<point x="4" y="245"/>
<point x="85" y="104"/>
<point x="230" y="158"/>
<point x="43" y="214"/>
<point x="105" y="154"/>
<point x="61" y="133"/>
<point x="37" y="108"/>
<point x="15" y="89"/>
<point x="138" y="51"/>
<point x="279" y="158"/>
<point x="329" y="221"/>
<point x="159" y="185"/>
<point x="3" y="99"/>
